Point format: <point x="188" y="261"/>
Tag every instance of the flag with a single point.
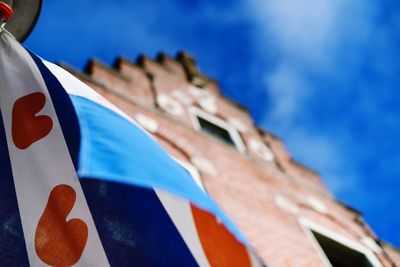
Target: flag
<point x="82" y="184"/>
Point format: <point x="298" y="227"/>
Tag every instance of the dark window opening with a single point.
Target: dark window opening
<point x="215" y="131"/>
<point x="340" y="255"/>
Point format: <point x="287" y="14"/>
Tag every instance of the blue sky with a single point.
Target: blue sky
<point x="322" y="74"/>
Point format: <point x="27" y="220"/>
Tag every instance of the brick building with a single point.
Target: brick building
<point x="280" y="205"/>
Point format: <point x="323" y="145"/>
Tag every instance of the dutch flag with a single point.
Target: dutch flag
<point x="82" y="184"/>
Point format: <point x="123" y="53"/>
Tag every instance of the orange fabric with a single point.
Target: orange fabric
<point x="220" y="246"/>
<point x="59" y="242"/>
<point x="28" y="128"/>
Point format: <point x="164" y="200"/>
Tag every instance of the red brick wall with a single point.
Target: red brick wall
<point x="265" y="198"/>
<point x="393" y="253"/>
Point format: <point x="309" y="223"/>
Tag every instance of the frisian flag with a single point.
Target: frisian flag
<point x="81" y="184"/>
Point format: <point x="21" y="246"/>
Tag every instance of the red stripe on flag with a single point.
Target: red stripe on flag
<point x="220" y="246"/>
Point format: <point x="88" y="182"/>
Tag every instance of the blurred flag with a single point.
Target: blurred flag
<point x="81" y="184"/>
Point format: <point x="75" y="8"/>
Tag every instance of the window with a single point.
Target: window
<point x="215" y="130"/>
<point x="216" y="127"/>
<point x="340" y="255"/>
<point x="337" y="250"/>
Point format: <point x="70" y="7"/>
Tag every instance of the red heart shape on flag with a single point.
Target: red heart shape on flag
<point x="59" y="242"/>
<point x="28" y="128"/>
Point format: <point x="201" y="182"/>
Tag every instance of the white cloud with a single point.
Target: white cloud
<point x="311" y="38"/>
<point x="312" y="31"/>
<point x="300" y="28"/>
<point x="288" y="89"/>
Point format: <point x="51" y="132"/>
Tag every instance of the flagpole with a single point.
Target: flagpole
<point x="19" y="17"/>
<point x="6" y="12"/>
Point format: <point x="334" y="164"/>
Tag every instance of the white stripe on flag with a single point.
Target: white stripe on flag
<point x="180" y="213"/>
<point x="74" y="86"/>
<point x="44" y="164"/>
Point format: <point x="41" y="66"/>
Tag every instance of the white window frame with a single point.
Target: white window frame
<point x="194" y="173"/>
<point x="309" y="227"/>
<point x="195" y="113"/>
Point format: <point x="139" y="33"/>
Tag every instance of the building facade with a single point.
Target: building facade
<point x="280" y="205"/>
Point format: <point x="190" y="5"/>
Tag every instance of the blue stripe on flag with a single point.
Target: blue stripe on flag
<point x="64" y="109"/>
<point x="12" y="242"/>
<point x="134" y="227"/>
